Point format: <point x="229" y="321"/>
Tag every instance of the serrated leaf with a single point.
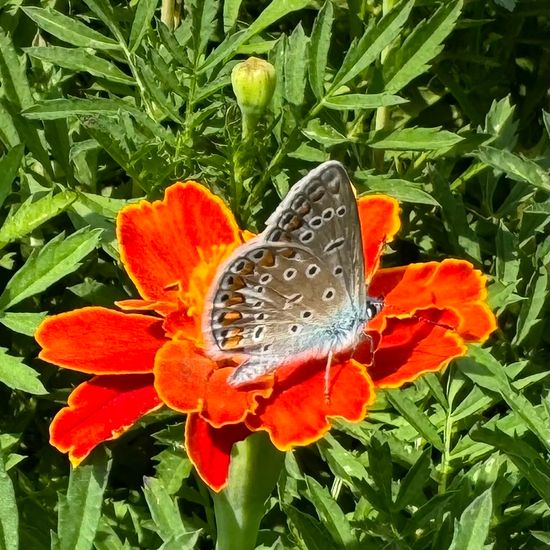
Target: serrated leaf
<point x="80" y="508"/>
<point x="9" y="166"/>
<point x="377" y="37"/>
<point x="31" y="215"/>
<point x="362" y="101"/>
<point x="69" y="29"/>
<point x="487" y="372"/>
<point x="142" y="22"/>
<point x="295" y="66"/>
<point x="79" y="60"/>
<point x="402" y="190"/>
<point x="515" y="167"/>
<point x="230" y="13"/>
<point x="23" y="323"/>
<point x="472" y="529"/>
<point x="407" y="408"/>
<point x="56" y="259"/>
<point x="330" y="514"/>
<point x="9" y="518"/>
<point x="273" y="12"/>
<point x="164" y="510"/>
<point x="15" y="85"/>
<point x="507" y="261"/>
<point x="318" y="48"/>
<point x="424" y="43"/>
<point x="15" y="374"/>
<point x="414" y="139"/>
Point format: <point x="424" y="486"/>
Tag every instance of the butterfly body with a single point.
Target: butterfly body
<point x="297" y="290"/>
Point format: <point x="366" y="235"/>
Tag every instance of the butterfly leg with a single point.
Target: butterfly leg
<point x="327" y="377"/>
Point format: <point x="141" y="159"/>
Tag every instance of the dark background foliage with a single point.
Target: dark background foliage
<point x="439" y="104"/>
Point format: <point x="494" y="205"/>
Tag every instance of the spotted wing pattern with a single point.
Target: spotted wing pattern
<point x="298" y="288"/>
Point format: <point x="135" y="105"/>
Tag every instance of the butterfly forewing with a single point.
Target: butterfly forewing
<point x="298" y="288"/>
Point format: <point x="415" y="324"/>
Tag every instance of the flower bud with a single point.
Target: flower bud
<point x="253" y="82"/>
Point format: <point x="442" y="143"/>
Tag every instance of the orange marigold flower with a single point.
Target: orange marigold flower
<point x="172" y="249"/>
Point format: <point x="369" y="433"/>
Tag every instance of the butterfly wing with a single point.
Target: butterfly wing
<point x="296" y="289"/>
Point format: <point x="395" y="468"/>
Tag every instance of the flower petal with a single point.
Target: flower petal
<point x="410" y="347"/>
<point x="452" y="284"/>
<point x="162" y="242"/>
<point x="209" y="449"/>
<point x="98" y="340"/>
<point x="297" y="412"/>
<point x="101" y="409"/>
<point x="181" y="375"/>
<point x="379" y="218"/>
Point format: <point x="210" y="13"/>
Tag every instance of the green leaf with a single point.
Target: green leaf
<point x="104" y="11"/>
<point x="79" y="60"/>
<point x="230" y="13"/>
<point x="15" y="374"/>
<point x="80" y="508"/>
<point x="362" y="101"/>
<point x="13" y="76"/>
<point x="487" y="372"/>
<point x="410" y="488"/>
<point x="415" y="417"/>
<point x="312" y="532"/>
<point x="165" y="512"/>
<point x="330" y="514"/>
<point x="273" y="12"/>
<point x="69" y="29"/>
<point x="376" y="38"/>
<point x="414" y="139"/>
<point x="295" y="66"/>
<point x="142" y="22"/>
<point x="9" y="166"/>
<point x="515" y="167"/>
<point x="423" y="44"/>
<point x="56" y="259"/>
<point x="318" y="48"/>
<point x="23" y="323"/>
<point x="402" y="190"/>
<point x="31" y="215"/>
<point x="9" y="518"/>
<point x="323" y="133"/>
<point x="472" y="529"/>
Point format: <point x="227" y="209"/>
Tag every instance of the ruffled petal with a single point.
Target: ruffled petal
<point x="410" y="347"/>
<point x="181" y="375"/>
<point x="161" y="243"/>
<point x="297" y="412"/>
<point x="98" y="340"/>
<point x="209" y="449"/>
<point x="101" y="409"/>
<point x="450" y="284"/>
<point x="379" y="218"/>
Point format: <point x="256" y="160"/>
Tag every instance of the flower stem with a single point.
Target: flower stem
<point x="240" y="507"/>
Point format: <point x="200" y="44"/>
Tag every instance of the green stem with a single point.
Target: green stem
<point x="240" y="507"/>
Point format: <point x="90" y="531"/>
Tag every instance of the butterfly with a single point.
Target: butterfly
<point x="296" y="291"/>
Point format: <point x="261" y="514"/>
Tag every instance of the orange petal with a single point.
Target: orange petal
<point x="297" y="412"/>
<point x="379" y="218"/>
<point x="452" y="284"/>
<point x="101" y="409"/>
<point x="225" y="404"/>
<point x="209" y="449"/>
<point x="162" y="242"/>
<point x="181" y="375"/>
<point x="98" y="340"/>
<point x="410" y="347"/>
<point x="158" y="306"/>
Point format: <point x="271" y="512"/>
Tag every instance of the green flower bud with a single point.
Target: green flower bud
<point x="253" y="82"/>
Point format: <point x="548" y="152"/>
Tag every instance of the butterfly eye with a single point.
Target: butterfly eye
<point x="259" y="333"/>
<point x="312" y="270"/>
<point x="265" y="278"/>
<point x="316" y="222"/>
<point x="259" y="254"/>
<point x="328" y="213"/>
<point x="341" y="210"/>
<point x="306" y="236"/>
<point x="333" y="245"/>
<point x="338" y="270"/>
<point x="306" y="314"/>
<point x="294" y="329"/>
<point x="328" y="294"/>
<point x="316" y="193"/>
<point x="289" y="274"/>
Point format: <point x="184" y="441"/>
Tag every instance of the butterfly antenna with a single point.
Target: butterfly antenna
<point x="327" y="377"/>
